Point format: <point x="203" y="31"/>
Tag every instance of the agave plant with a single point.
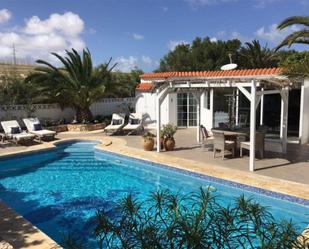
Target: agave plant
<point x="298" y="36"/>
<point x="76" y="84"/>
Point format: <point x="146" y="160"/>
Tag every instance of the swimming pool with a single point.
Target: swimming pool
<point x="59" y="191"/>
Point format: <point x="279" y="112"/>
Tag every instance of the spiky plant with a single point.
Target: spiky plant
<point x="75" y="84"/>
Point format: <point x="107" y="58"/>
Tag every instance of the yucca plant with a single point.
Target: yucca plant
<point x="75" y="84"/>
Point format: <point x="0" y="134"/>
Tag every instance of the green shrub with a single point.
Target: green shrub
<point x="193" y="221"/>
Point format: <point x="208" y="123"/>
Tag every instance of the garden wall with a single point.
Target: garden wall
<point x="53" y="112"/>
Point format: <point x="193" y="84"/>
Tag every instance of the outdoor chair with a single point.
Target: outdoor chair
<point x="205" y="135"/>
<point x="13" y="132"/>
<point x="116" y="124"/>
<point x="34" y="126"/>
<point x="242" y="122"/>
<point x="222" y="145"/>
<point x="135" y="123"/>
<point x="259" y="144"/>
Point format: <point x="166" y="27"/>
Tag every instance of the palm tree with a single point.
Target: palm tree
<point x="77" y="84"/>
<point x="253" y="55"/>
<point x="300" y="36"/>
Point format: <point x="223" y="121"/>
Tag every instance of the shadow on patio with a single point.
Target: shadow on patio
<point x="293" y="166"/>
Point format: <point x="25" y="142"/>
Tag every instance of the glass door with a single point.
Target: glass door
<point x="186" y="110"/>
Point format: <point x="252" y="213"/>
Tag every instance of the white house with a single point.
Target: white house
<point x="186" y="99"/>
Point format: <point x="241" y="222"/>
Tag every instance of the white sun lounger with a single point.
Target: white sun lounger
<point x="116" y="124"/>
<point x="19" y="136"/>
<point x="135" y="123"/>
<point x="41" y="133"/>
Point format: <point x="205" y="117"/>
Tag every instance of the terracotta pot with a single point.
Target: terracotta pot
<point x="148" y="144"/>
<point x="169" y="144"/>
<point x="161" y="143"/>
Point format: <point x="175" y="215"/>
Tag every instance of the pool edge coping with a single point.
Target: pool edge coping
<point x="107" y="146"/>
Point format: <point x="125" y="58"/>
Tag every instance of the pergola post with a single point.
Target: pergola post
<point x="237" y="106"/>
<point x="262" y="108"/>
<point x="252" y="125"/>
<point x="284" y="118"/>
<point x="158" y="114"/>
<point x="197" y="97"/>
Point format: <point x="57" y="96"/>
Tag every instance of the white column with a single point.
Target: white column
<point x="198" y="119"/>
<point x="304" y="113"/>
<point x="252" y="125"/>
<point x="284" y="118"/>
<point x="262" y="108"/>
<point x="158" y="114"/>
<point x="237" y="106"/>
<point x="211" y="96"/>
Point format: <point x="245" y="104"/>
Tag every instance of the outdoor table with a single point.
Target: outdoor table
<point x="233" y="134"/>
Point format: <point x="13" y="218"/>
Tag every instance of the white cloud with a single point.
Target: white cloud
<point x="242" y="38"/>
<point x="137" y="36"/>
<point x="38" y="38"/>
<point x="165" y="9"/>
<point x="173" y="44"/>
<point x="147" y="60"/>
<point x="208" y="2"/>
<point x="272" y="34"/>
<point x="126" y="64"/>
<point x="5" y="15"/>
<point x="213" y="39"/>
<point x="262" y="3"/>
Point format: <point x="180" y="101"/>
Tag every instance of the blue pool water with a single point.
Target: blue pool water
<point x="60" y="190"/>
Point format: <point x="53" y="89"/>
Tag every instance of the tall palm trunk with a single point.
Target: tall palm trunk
<point x="83" y="114"/>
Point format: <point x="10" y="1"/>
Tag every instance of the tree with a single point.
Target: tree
<point x="296" y="65"/>
<point x="299" y="36"/>
<point x="77" y="84"/>
<point x="253" y="55"/>
<point x="122" y="84"/>
<point x="200" y="55"/>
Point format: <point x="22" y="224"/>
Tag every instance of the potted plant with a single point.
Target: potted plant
<point x="148" y="141"/>
<point x="168" y="131"/>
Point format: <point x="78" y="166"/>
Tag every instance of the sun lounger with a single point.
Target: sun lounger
<point x="34" y="127"/>
<point x="116" y="124"/>
<point x="13" y="131"/>
<point x="135" y="123"/>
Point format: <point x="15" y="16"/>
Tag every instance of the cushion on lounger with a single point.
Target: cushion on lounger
<point x="15" y="130"/>
<point x="116" y="121"/>
<point x="134" y="121"/>
<point x="37" y="127"/>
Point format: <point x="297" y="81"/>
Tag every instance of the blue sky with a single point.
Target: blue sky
<point x="135" y="32"/>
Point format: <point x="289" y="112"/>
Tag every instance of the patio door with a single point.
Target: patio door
<point x="186" y="110"/>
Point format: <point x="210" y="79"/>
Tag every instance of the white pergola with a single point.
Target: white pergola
<point x="253" y="88"/>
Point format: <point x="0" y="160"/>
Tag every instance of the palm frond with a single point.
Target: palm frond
<point x="294" y="20"/>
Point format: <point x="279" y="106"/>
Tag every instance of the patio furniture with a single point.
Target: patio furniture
<point x="135" y="123"/>
<point x="205" y="135"/>
<point x="116" y="124"/>
<point x="259" y="144"/>
<point x="221" y="144"/>
<point x="13" y="131"/>
<point x="242" y="122"/>
<point x="34" y="126"/>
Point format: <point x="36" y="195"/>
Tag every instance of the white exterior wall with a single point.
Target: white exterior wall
<point x="53" y="112"/>
<point x="304" y="113"/>
<point x="206" y="113"/>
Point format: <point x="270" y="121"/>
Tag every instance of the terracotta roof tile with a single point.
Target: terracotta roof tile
<point x="237" y="72"/>
<point x="144" y="87"/>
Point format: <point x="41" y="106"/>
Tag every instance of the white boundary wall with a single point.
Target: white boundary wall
<point x="53" y="112"/>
